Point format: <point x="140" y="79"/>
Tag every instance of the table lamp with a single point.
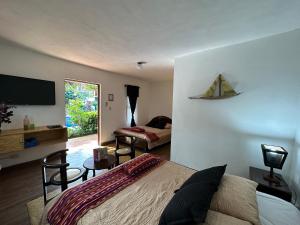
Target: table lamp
<point x="274" y="157"/>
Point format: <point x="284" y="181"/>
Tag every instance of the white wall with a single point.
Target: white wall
<point x="160" y="99"/>
<point x="295" y="165"/>
<point x="207" y="133"/>
<point x="18" y="61"/>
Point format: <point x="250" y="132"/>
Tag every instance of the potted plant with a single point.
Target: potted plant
<point x="5" y="113"/>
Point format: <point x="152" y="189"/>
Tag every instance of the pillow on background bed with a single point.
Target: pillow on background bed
<point x="158" y="122"/>
<point x="168" y="126"/>
<point x="237" y="197"/>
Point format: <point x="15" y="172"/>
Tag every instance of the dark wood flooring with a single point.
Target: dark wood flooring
<point x="23" y="183"/>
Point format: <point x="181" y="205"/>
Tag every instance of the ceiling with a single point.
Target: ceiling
<point x="114" y="34"/>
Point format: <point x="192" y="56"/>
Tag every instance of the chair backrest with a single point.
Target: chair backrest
<point x="122" y="138"/>
<point x="61" y="166"/>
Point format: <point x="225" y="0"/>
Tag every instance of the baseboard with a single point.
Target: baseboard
<point x="108" y="142"/>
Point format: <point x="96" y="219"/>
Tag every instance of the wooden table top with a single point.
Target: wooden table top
<point x="34" y="130"/>
<point x="102" y="164"/>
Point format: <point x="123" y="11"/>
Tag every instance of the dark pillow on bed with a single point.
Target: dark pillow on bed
<point x="189" y="205"/>
<point x="159" y="122"/>
<point x="211" y="175"/>
<point x="151" y="123"/>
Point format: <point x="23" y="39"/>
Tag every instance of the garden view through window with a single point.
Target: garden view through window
<point x="82" y="110"/>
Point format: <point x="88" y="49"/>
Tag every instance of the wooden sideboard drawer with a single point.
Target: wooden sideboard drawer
<point x="13" y="140"/>
<point x="11" y="143"/>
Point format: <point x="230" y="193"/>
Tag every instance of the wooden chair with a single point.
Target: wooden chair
<point x="127" y="151"/>
<point x="63" y="176"/>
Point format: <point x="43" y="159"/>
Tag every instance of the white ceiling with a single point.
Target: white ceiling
<point x="114" y="34"/>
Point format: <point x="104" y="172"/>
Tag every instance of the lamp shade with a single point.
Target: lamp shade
<point x="274" y="156"/>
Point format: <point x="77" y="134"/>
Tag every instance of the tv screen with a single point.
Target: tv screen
<point x="26" y="91"/>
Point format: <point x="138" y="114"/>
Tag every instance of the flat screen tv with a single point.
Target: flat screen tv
<point x="26" y="91"/>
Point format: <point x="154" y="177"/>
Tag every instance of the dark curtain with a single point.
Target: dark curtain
<point x="133" y="94"/>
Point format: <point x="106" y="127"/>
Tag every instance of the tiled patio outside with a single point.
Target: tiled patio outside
<point x="81" y="148"/>
<point x="85" y="143"/>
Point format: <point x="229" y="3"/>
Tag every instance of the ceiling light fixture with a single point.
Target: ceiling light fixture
<point x="140" y="65"/>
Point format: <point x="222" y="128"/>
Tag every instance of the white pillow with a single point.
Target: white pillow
<point x="168" y="126"/>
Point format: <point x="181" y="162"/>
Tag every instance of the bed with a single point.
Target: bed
<point x="159" y="126"/>
<point x="144" y="201"/>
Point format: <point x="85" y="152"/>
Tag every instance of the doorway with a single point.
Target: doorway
<point x="82" y="115"/>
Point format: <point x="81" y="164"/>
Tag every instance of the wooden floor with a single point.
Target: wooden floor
<point x="22" y="183"/>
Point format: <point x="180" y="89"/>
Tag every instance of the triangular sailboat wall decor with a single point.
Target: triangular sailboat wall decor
<point x="219" y="89"/>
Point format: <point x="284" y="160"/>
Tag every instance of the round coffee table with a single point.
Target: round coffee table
<point x="90" y="164"/>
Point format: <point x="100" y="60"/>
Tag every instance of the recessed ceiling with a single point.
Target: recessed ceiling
<point x="114" y="34"/>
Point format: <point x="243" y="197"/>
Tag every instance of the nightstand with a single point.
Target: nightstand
<point x="281" y="191"/>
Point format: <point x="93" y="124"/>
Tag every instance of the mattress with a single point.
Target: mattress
<point x="163" y="134"/>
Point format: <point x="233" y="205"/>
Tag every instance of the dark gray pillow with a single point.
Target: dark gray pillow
<point x="191" y="202"/>
<point x="210" y="175"/>
<point x="189" y="205"/>
<point x="159" y="122"/>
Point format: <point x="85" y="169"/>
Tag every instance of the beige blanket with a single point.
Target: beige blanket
<point x="163" y="134"/>
<point x="143" y="202"/>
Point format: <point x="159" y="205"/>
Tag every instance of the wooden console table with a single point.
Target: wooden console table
<point x="13" y="140"/>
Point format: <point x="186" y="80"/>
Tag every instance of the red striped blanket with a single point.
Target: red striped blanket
<point x="75" y="202"/>
<point x="149" y="135"/>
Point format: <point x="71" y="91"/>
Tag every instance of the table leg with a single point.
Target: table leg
<point x="111" y="166"/>
<point x="94" y="173"/>
<point x="85" y="175"/>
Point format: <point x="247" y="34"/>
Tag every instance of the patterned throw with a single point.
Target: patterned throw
<point x="75" y="202"/>
<point x="149" y="135"/>
<point x="140" y="164"/>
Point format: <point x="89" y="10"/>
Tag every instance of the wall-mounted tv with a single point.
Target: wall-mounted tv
<point x="25" y="91"/>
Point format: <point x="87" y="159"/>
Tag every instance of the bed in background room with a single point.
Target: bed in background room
<point x="234" y="202"/>
<point x="155" y="133"/>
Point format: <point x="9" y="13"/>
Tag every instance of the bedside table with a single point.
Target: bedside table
<point x="281" y="191"/>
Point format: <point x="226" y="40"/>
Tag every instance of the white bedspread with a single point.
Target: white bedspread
<point x="275" y="211"/>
